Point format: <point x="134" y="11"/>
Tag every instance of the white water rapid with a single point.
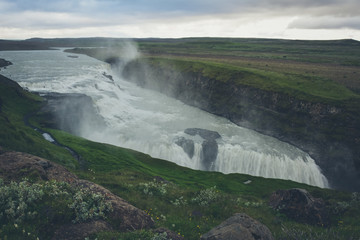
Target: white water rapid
<point x="152" y="123"/>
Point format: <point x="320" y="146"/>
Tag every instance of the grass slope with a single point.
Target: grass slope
<point x="321" y="71"/>
<point x="186" y="201"/>
<point x="311" y="88"/>
<point x="16" y="105"/>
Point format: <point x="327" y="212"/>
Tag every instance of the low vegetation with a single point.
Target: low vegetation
<point x="191" y="202"/>
<point x="16" y="106"/>
<point x="34" y="210"/>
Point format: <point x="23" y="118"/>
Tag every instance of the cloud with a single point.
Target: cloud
<point x="33" y="19"/>
<point x="326" y="22"/>
<point x="170" y="18"/>
<point x="313" y="7"/>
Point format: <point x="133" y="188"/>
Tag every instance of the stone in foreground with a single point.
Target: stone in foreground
<point x="299" y="205"/>
<point x="239" y="227"/>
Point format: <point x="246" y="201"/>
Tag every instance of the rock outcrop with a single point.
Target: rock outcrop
<point x="73" y="113"/>
<point x="81" y="230"/>
<point x="4" y="63"/>
<point x="15" y="165"/>
<point x="209" y="146"/>
<point x="239" y="226"/>
<point x="187" y="145"/>
<point x="300" y="206"/>
<point x="204" y="133"/>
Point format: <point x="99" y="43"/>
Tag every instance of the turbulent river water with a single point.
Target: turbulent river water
<point x="152" y="123"/>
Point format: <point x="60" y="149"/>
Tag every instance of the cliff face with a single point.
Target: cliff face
<point x="329" y="133"/>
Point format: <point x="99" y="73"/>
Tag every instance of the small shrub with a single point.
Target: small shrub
<point x="179" y="201"/>
<point x="17" y="201"/>
<point x="160" y="236"/>
<point x="355" y="198"/>
<point x="153" y="188"/>
<point x="88" y="205"/>
<point x="245" y="203"/>
<point x="341" y="207"/>
<point x="20" y="202"/>
<point x="206" y="196"/>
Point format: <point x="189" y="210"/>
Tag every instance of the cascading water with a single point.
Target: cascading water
<point x="152" y="123"/>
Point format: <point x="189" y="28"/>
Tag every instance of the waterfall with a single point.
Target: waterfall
<point x="234" y="159"/>
<point x="152" y="123"/>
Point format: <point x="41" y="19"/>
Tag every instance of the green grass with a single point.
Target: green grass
<point x="305" y="87"/>
<point x="343" y="52"/>
<point x="125" y="172"/>
<point x="16" y="104"/>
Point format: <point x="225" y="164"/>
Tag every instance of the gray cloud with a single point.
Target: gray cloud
<point x="327" y="22"/>
<point x="188" y="7"/>
<point x="47" y="20"/>
<point x="309" y="7"/>
<point x="76" y="14"/>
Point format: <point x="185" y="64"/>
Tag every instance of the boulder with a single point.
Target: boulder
<point x="239" y="226"/>
<point x="15" y="165"/>
<point x="4" y="63"/>
<point x="300" y="206"/>
<point x="81" y="230"/>
<point x="209" y="146"/>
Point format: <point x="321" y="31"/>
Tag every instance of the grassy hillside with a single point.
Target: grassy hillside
<point x="15" y="106"/>
<point x="186" y="201"/>
<point x="307" y="87"/>
<point x="300" y="68"/>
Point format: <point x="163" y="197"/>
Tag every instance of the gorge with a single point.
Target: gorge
<point x="153" y="123"/>
<point x="326" y="128"/>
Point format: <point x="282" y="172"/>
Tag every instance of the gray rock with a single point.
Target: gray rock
<point x="187" y="145"/>
<point x="300" y="206"/>
<point x="204" y="133"/>
<point x="239" y="227"/>
<point x="209" y="146"/>
<point x="4" y="63"/>
<point x="209" y="154"/>
<point x="81" y="230"/>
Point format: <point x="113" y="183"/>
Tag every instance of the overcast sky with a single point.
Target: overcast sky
<point x="290" y="19"/>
